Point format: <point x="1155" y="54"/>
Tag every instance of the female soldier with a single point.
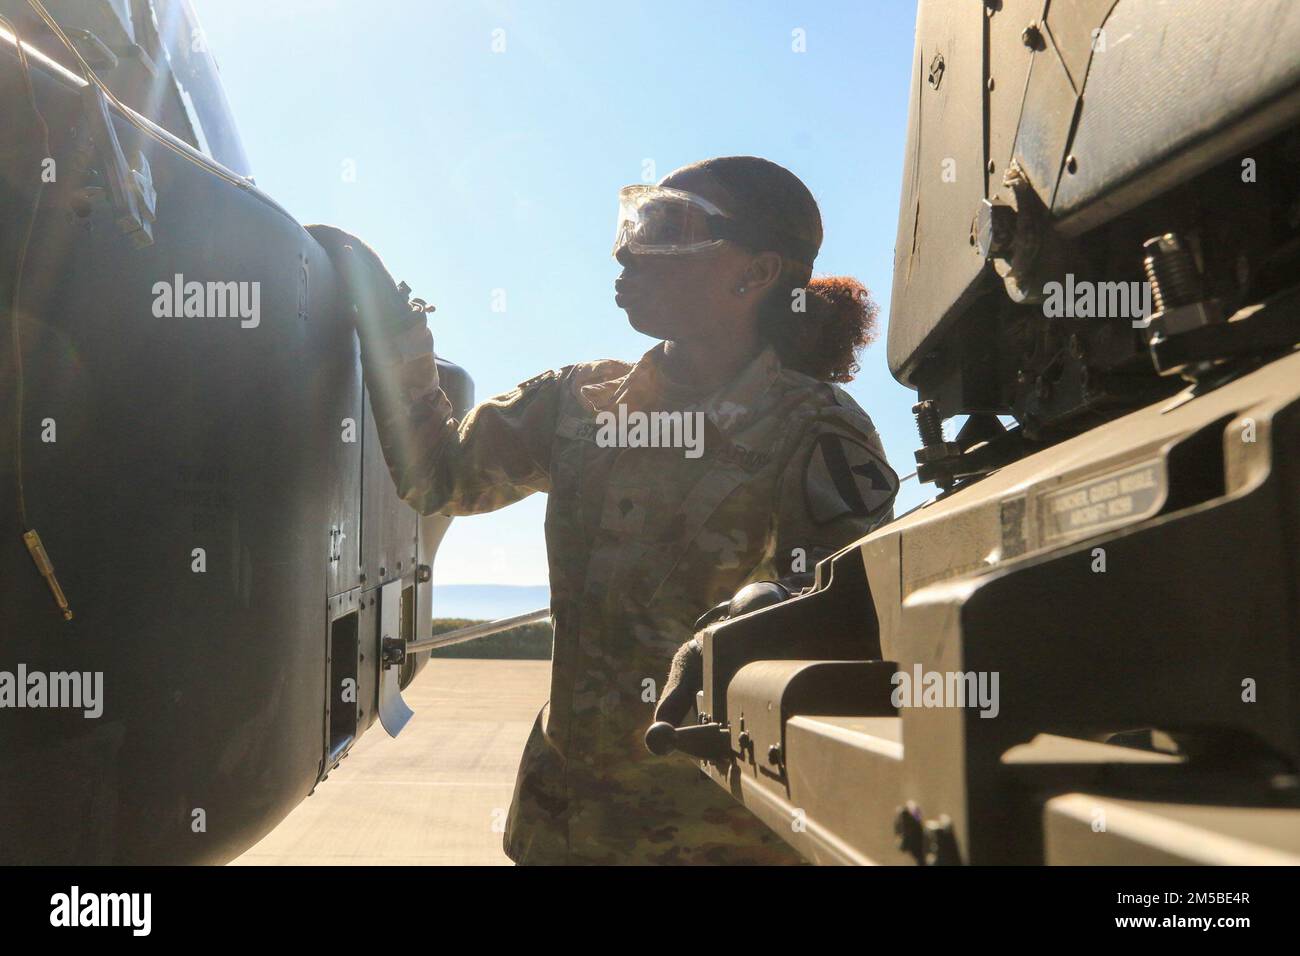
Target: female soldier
<point x="717" y="263"/>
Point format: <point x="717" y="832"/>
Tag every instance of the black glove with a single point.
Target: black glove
<point x="379" y="307"/>
<point x="686" y="674"/>
<point x="685" y="680"/>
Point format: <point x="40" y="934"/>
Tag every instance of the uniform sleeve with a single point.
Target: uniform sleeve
<point x="836" y="487"/>
<point x="499" y="454"/>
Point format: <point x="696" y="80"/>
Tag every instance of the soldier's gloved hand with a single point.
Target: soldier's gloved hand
<point x="380" y="309"/>
<point x="686" y="674"/>
<point x="685" y="680"/>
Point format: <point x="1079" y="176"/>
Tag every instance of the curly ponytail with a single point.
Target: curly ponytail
<point x="817" y="325"/>
<point x="838" y="320"/>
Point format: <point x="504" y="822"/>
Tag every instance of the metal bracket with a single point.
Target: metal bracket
<point x="393" y="711"/>
<point x="131" y="194"/>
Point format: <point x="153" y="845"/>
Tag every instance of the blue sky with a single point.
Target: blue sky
<point x="473" y="171"/>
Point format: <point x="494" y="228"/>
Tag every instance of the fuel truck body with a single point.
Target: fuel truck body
<point x="1085" y="648"/>
<point x="202" y="548"/>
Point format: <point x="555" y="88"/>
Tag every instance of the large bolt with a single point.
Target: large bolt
<point x="928" y="423"/>
<point x="1171" y="270"/>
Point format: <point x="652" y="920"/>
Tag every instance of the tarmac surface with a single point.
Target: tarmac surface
<point x="438" y="794"/>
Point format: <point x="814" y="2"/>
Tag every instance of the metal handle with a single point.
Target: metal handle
<point x="475" y="631"/>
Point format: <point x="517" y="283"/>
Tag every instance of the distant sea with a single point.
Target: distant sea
<point x="486" y="602"/>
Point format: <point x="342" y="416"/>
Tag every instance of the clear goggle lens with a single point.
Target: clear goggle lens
<point x="658" y="220"/>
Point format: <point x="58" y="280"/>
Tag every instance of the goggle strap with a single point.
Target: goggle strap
<point x="723" y="227"/>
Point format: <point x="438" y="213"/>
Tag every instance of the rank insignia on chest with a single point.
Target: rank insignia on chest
<point x="844" y="476"/>
<point x="625" y="510"/>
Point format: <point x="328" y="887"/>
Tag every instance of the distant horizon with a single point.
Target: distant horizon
<point x="486" y="602"/>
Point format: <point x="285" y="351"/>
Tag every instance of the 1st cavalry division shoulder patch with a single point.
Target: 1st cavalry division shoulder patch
<point x="844" y="476"/>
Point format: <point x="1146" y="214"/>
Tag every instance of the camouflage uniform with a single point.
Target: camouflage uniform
<point x="640" y="541"/>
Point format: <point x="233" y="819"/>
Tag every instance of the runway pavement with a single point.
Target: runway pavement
<point x="438" y="794"/>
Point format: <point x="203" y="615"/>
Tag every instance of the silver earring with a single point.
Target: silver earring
<point x="740" y="290"/>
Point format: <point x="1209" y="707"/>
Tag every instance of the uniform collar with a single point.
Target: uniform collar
<point x="738" y="401"/>
<point x="645" y="386"/>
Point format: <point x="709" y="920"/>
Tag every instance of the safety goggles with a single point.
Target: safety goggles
<point x="662" y="221"/>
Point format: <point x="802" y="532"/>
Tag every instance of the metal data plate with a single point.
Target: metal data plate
<point x="393" y="712"/>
